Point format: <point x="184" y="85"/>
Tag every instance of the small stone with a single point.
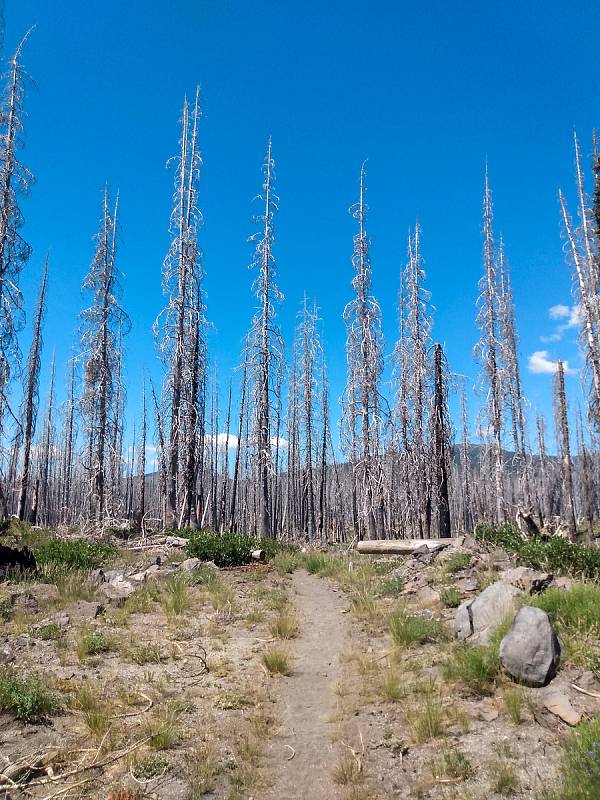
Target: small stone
<point x="559" y="704"/>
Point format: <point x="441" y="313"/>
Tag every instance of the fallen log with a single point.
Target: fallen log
<point x="402" y="547"/>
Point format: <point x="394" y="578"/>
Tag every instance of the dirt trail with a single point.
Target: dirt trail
<point x="307" y="698"/>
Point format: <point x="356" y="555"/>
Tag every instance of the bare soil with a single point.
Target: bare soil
<point x="302" y="755"/>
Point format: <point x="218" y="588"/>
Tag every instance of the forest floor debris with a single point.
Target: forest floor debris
<point x="318" y="675"/>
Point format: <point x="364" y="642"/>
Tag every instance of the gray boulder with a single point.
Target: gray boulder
<point x="530" y="651"/>
<point x="477" y="617"/>
<point x="530" y="580"/>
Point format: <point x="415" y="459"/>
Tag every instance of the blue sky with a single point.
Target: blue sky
<point x="425" y="91"/>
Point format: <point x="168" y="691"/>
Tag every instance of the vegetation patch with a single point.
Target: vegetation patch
<point x="556" y="555"/>
<point x="456" y="561"/>
<point x="450" y="596"/>
<point x="408" y="629"/>
<point x="74" y="554"/>
<point x="229" y="549"/>
<point x="476" y="667"/>
<point x="276" y="661"/>
<point x="581" y="763"/>
<point x="26" y="696"/>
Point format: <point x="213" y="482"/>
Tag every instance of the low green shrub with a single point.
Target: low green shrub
<point x="26" y="696"/>
<point x="456" y="561"/>
<point x="391" y="587"/>
<point x="450" y="596"/>
<point x="575" y="609"/>
<point x="74" y="553"/>
<point x="229" y="549"/>
<point x="555" y="555"/>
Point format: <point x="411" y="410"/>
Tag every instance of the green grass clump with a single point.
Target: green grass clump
<point x="391" y="587"/>
<point x="578" y="608"/>
<point x="450" y="596"/>
<point x="452" y="764"/>
<point x="408" y="629"/>
<point x="576" y="616"/>
<point x="456" y="561"/>
<point x="316" y="563"/>
<point x="26" y="696"/>
<point x="285" y="626"/>
<point x="555" y="554"/>
<point x="285" y="563"/>
<point x="503" y="777"/>
<point x="581" y="763"/>
<point x="391" y="687"/>
<point x="175" y="597"/>
<point x="276" y="661"/>
<point x="513" y="701"/>
<point x="428" y="720"/>
<point x="91" y="642"/>
<point x="475" y="667"/>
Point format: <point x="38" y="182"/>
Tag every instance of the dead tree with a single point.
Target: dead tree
<point x="465" y="467"/>
<point x="179" y="329"/>
<point x="487" y="348"/>
<point x="442" y="442"/>
<point x="15" y="180"/>
<point x="361" y="423"/>
<point x="30" y="399"/>
<point x="102" y="324"/>
<point x="564" y="449"/>
<point x="510" y="372"/>
<point x="265" y="345"/>
<point x="582" y="250"/>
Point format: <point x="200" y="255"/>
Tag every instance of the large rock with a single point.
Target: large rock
<point x="530" y="580"/>
<point x="477" y="617"/>
<point x="530" y="651"/>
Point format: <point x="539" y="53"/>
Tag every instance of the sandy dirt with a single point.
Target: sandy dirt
<point x="302" y="754"/>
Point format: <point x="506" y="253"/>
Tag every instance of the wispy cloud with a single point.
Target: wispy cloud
<point x="568" y="316"/>
<point x="541" y="364"/>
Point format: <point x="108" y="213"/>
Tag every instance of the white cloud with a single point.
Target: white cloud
<point x="572" y="319"/>
<point x="540" y="364"/>
<point x="283" y="443"/>
<point x="223" y="440"/>
<point x="559" y="311"/>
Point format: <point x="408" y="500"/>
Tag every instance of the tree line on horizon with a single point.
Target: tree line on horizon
<point x="399" y="477"/>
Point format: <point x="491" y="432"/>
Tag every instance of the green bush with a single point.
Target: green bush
<point x="27" y="697"/>
<point x="74" y="553"/>
<point x="229" y="549"/>
<point x="553" y="555"/>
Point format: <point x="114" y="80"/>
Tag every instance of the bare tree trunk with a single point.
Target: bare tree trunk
<point x="31" y="392"/>
<point x="564" y="448"/>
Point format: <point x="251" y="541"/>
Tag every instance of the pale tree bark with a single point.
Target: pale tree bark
<point x="102" y="325"/>
<point x="564" y="449"/>
<point x="364" y="358"/>
<point x="30" y="404"/>
<point x="486" y="349"/>
<point x="265" y="346"/>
